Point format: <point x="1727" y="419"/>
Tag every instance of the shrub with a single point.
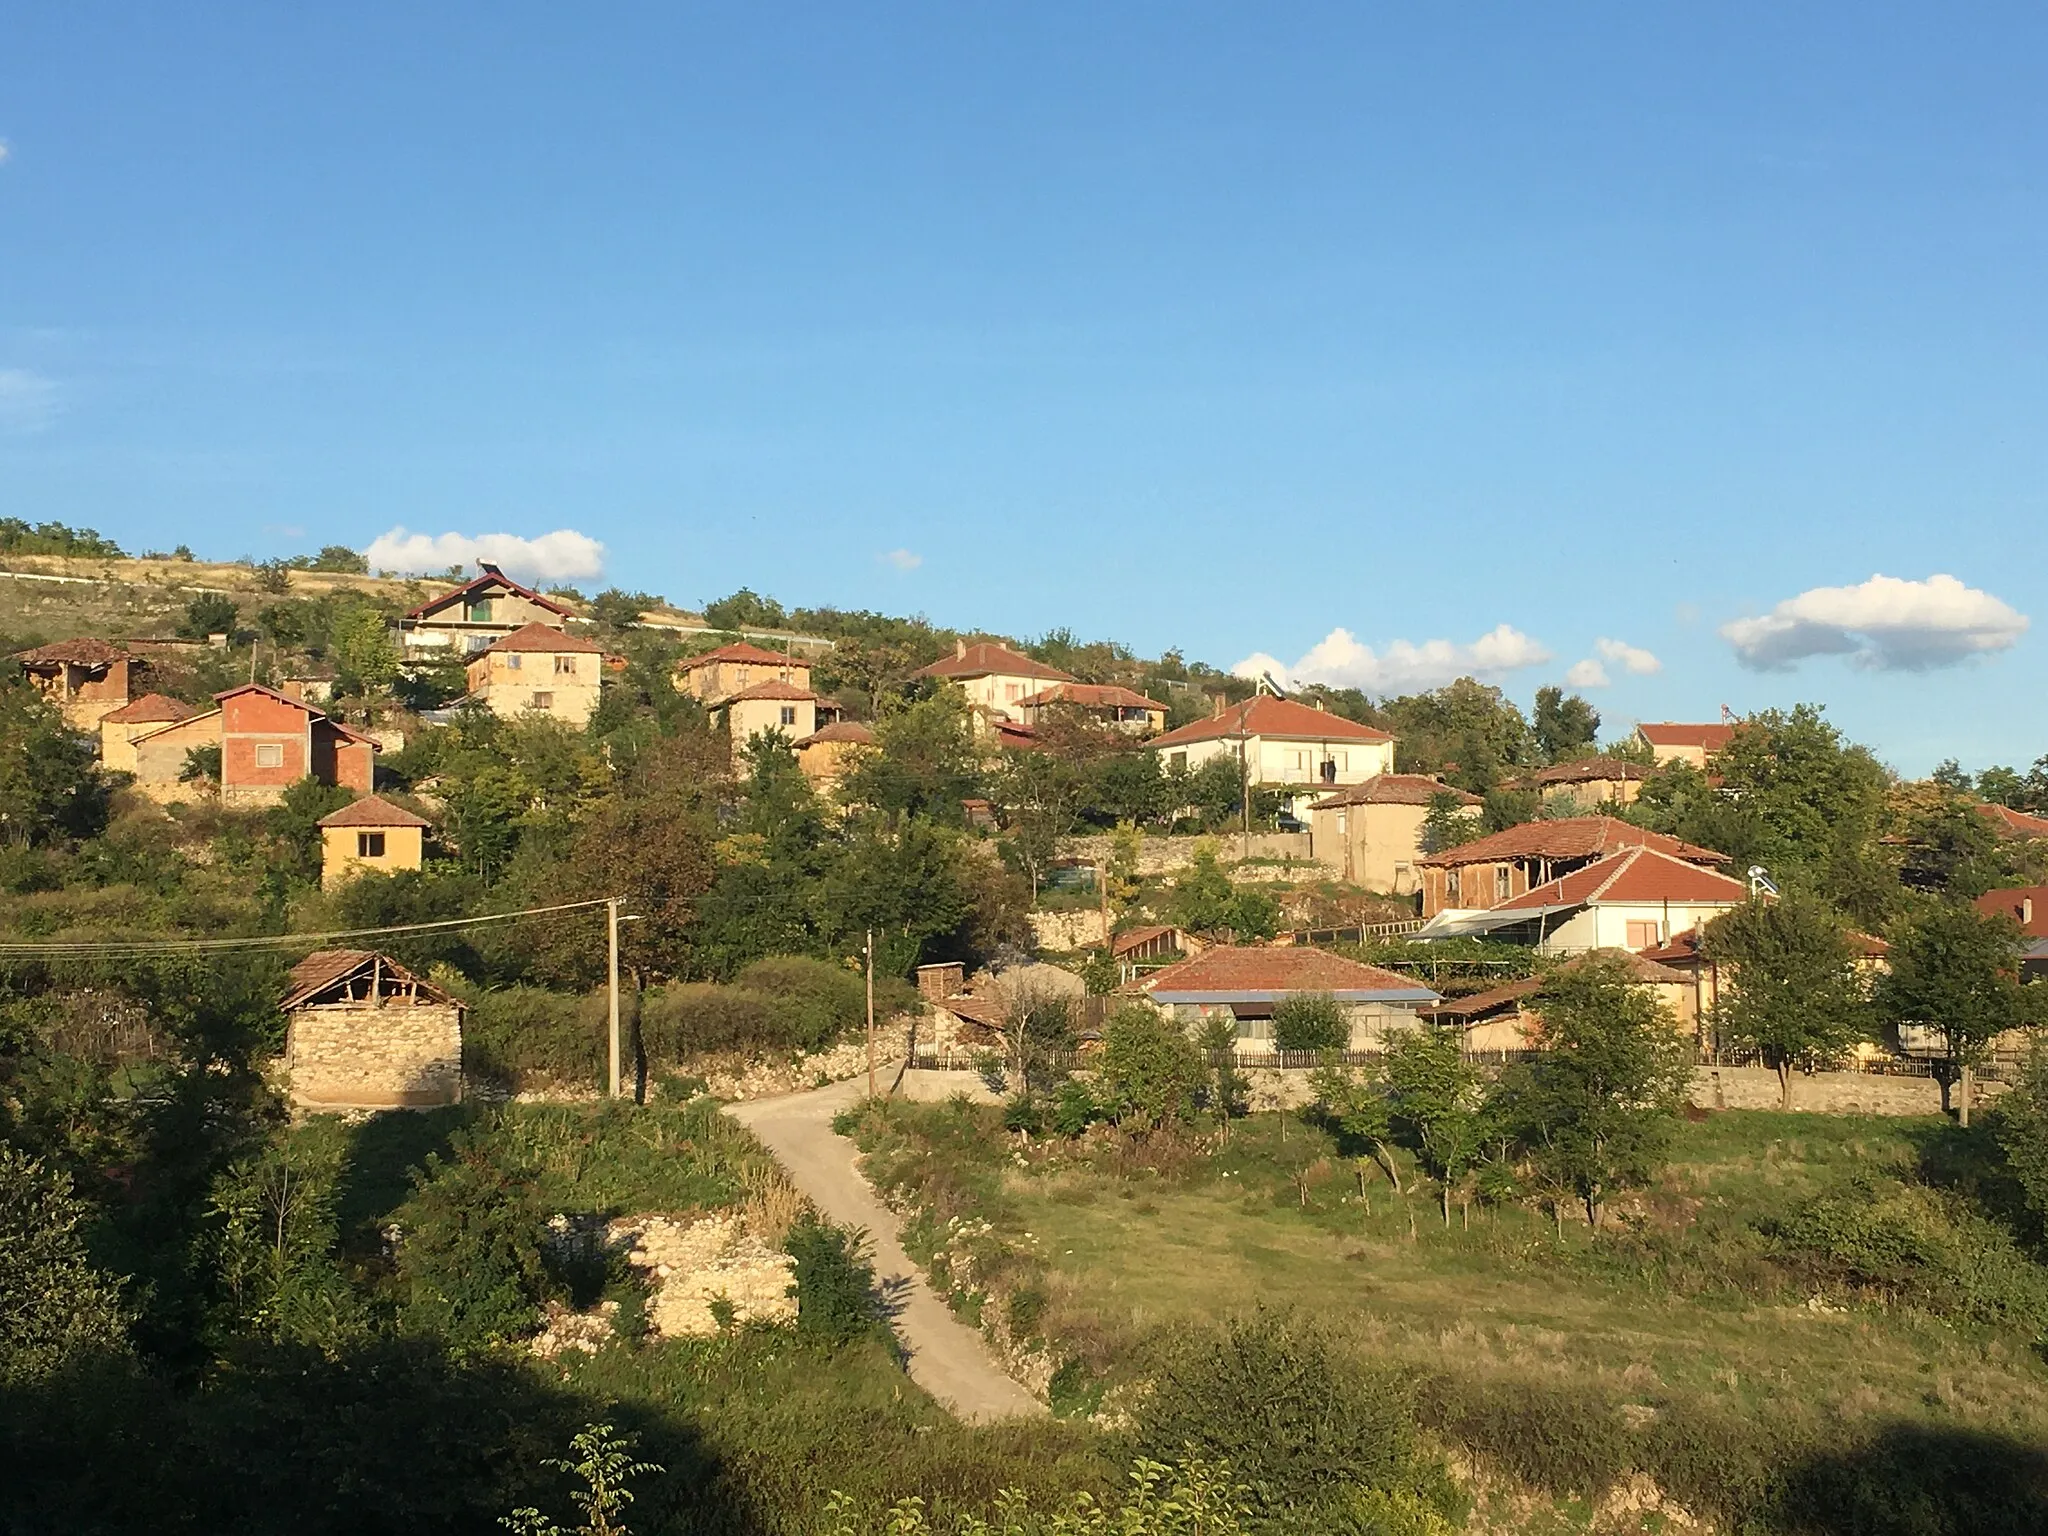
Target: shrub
<point x="835" y="1282"/>
<point x="688" y="1019"/>
<point x="54" y="1306"/>
<point x="1151" y="1072"/>
<point x="818" y="1002"/>
<point x="1310" y="1021"/>
<point x="523" y="1032"/>
<point x="1267" y="1396"/>
<point x="470" y="1267"/>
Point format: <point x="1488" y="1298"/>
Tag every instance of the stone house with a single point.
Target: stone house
<point x="774" y="707"/>
<point x="1243" y="983"/>
<point x="1672" y="742"/>
<point x="1121" y="709"/>
<point x="477" y="614"/>
<point x="539" y="670"/>
<point x="824" y="753"/>
<point x="1372" y="832"/>
<point x="120" y="729"/>
<point x="1590" y="781"/>
<point x="996" y="680"/>
<point x="1635" y="899"/>
<point x="363" y="1032"/>
<point x="1504" y="1018"/>
<point x="370" y="835"/>
<point x="1489" y="870"/>
<point x="1282" y="744"/>
<point x="718" y="675"/>
<point x="86" y="679"/>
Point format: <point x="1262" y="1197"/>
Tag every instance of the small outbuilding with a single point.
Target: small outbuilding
<point x="363" y="1032"/>
<point x="370" y="835"/>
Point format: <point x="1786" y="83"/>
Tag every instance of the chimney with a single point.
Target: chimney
<point x="2026" y="911"/>
<point x="936" y="983"/>
<point x="1217" y="700"/>
<point x="1322" y="705"/>
<point x="960" y="650"/>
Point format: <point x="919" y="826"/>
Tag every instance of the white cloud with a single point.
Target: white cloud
<point x="1632" y="659"/>
<point x="903" y="559"/>
<point x="1885" y="624"/>
<point x="28" y="401"/>
<point x="1339" y="660"/>
<point x="564" y="555"/>
<point x="5" y="151"/>
<point x="1587" y="674"/>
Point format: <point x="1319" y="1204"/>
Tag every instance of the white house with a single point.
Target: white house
<point x="1636" y="899"/>
<point x="1282" y="743"/>
<point x="996" y="680"/>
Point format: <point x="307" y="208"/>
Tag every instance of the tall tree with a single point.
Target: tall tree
<point x="1437" y="1097"/>
<point x="51" y="787"/>
<point x="1565" y="727"/>
<point x="1955" y="973"/>
<point x="1794" y="991"/>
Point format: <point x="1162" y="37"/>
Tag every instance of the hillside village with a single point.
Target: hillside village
<point x="308" y="844"/>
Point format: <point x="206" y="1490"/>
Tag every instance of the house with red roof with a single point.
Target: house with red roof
<point x="1283" y="745"/>
<point x="2026" y="905"/>
<point x="369" y="835"/>
<point x="87" y="679"/>
<point x="1243" y="983"/>
<point x="1491" y="869"/>
<point x="477" y="614"/>
<point x="996" y="680"/>
<point x="539" y="670"/>
<point x="1121" y="709"/>
<point x="824" y="754"/>
<point x="1672" y="742"/>
<point x="267" y="743"/>
<point x="1372" y="832"/>
<point x="2014" y="826"/>
<point x="716" y="676"/>
<point x="1589" y="781"/>
<point x="1507" y="1018"/>
<point x="1636" y="898"/>
<point x="119" y="728"/>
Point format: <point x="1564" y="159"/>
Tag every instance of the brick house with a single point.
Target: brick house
<point x="267" y="744"/>
<point x="1121" y="709"/>
<point x="1590" y="781"/>
<point x="1507" y="864"/>
<point x="1505" y="1018"/>
<point x="477" y="614"/>
<point x="1243" y="984"/>
<point x="539" y="670"/>
<point x="1372" y="832"/>
<point x="86" y="679"/>
<point x="369" y="836"/>
<point x="823" y="754"/>
<point x="363" y="1032"/>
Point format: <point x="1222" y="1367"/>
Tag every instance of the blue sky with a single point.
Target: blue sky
<point x="1210" y="326"/>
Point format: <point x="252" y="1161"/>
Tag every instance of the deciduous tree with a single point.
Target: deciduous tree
<point x="1793" y="989"/>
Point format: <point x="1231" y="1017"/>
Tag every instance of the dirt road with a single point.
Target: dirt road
<point x="947" y="1358"/>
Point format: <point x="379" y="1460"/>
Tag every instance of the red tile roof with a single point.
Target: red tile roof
<point x="1133" y="938"/>
<point x="86" y="651"/>
<point x="1091" y="696"/>
<point x="1567" y="837"/>
<point x="2012" y="824"/>
<point x="853" y="731"/>
<point x="1020" y="738"/>
<point x="373" y="811"/>
<point x="1642" y="970"/>
<point x="2012" y="903"/>
<point x="1264" y="715"/>
<point x="774" y="688"/>
<point x="1240" y="973"/>
<point x="1684" y="948"/>
<point x="1636" y="876"/>
<point x="1591" y="770"/>
<point x="986" y="658"/>
<point x="151" y="709"/>
<point x="271" y="693"/>
<point x="490" y="578"/>
<point x="325" y="969"/>
<point x="543" y="638"/>
<point x="743" y="653"/>
<point x="1667" y="733"/>
<point x="1395" y="789"/>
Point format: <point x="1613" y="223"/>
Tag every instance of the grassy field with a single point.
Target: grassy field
<point x="1692" y="1323"/>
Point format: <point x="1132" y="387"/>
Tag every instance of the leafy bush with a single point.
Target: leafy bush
<point x="470" y="1268"/>
<point x="1151" y="1073"/>
<point x="835" y="1282"/>
<point x="530" y="1032"/>
<point x="54" y="1306"/>
<point x="1267" y="1396"/>
<point x="1310" y="1021"/>
<point x="689" y="1018"/>
<point x="819" y="1002"/>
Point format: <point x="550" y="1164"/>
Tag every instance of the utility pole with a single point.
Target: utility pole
<point x="611" y="913"/>
<point x="871" y="1012"/>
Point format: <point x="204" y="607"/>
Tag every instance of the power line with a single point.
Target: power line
<point x="274" y="940"/>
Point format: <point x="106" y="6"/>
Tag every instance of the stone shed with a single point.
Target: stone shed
<point x="363" y="1032"/>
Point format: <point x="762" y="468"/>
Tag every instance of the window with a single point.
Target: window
<point x="543" y="701"/>
<point x="1451" y="884"/>
<point x="789" y="714"/>
<point x="1503" y="883"/>
<point x="1177" y="761"/>
<point x="565" y="666"/>
<point x="1012" y="692"/>
<point x="478" y="610"/>
<point x="369" y="845"/>
<point x="476" y="642"/>
<point x="1644" y="936"/>
<point x="1255" y="1029"/>
<point x="269" y="754"/>
<point x="512" y="661"/>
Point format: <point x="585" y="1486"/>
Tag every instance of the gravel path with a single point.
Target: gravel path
<point x="947" y="1358"/>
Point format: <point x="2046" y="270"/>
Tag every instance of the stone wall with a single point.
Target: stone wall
<point x="362" y="1056"/>
<point x="1068" y="930"/>
<point x="1839" y="1093"/>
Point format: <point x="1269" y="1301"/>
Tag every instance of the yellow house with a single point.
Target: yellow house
<point x="732" y="669"/>
<point x="369" y="836"/>
<point x="1372" y="832"/>
<point x="1672" y="741"/>
<point x="538" y="670"/>
<point x="1106" y="703"/>
<point x="996" y="680"/>
<point x="823" y="754"/>
<point x="1591" y="781"/>
<point x="119" y="730"/>
<point x="774" y="707"/>
<point x="1303" y="752"/>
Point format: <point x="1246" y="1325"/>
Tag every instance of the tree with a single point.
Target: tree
<point x="1594" y="1112"/>
<point x="1794" y="993"/>
<point x="1203" y="900"/>
<point x="364" y="652"/>
<point x="1815" y="797"/>
<point x="2022" y="1116"/>
<point x="1955" y="972"/>
<point x="1565" y="727"/>
<point x="51" y="786"/>
<point x="1437" y="1097"/>
<point x="340" y="558"/>
<point x="745" y="609"/>
<point x="1358" y="1107"/>
<point x="923" y="763"/>
<point x="55" y="1308"/>
<point x="210" y="613"/>
<point x="1448" y="822"/>
<point x="603" y="1462"/>
<point x="1150" y="1073"/>
<point x="1310" y="1021"/>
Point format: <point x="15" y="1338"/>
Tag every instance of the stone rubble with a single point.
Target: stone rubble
<point x="692" y="1264"/>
